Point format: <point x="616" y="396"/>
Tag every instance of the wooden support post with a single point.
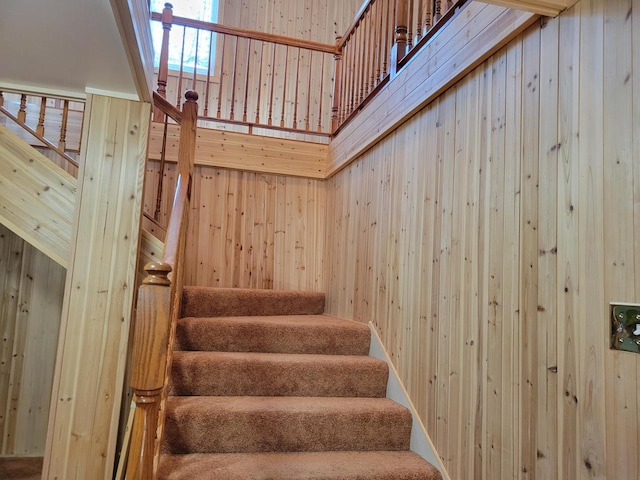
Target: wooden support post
<point x="337" y="86"/>
<point x="22" y="112"/>
<point x="163" y="69"/>
<point x="399" y="49"/>
<point x="40" y="126"/>
<point x="187" y="145"/>
<point x="62" y="144"/>
<point x="148" y="363"/>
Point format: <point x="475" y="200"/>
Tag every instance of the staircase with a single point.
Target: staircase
<point x="264" y="386"/>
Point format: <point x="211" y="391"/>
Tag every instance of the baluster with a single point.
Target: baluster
<point x="221" y="76"/>
<point x="1" y="98"/>
<point x="366" y="34"/>
<point x="295" y="96"/>
<point x="323" y="55"/>
<point x="259" y="82"/>
<point x="195" y="62"/>
<point x="233" y="80"/>
<point x="386" y="37"/>
<point x="22" y="112"/>
<point x="284" y="87"/>
<point x="40" y="126"/>
<point x="163" y="156"/>
<point x="428" y="16"/>
<point x="347" y="72"/>
<point x="273" y="82"/>
<point x="306" y="120"/>
<point x="363" y="56"/>
<point x="400" y="45"/>
<point x="163" y="68"/>
<point x="379" y="41"/>
<point x="357" y="52"/>
<point x="246" y="82"/>
<point x="419" y="21"/>
<point x="409" y="26"/>
<point x="62" y="144"/>
<point x="152" y="327"/>
<point x="206" y="93"/>
<point x="81" y="125"/>
<point x="437" y="14"/>
<point x="178" y="101"/>
<point x="449" y="5"/>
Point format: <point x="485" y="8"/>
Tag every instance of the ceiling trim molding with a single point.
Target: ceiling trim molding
<point x="549" y="8"/>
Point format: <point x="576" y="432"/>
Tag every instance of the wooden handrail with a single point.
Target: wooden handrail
<point x="166" y="107"/>
<point x="356" y="21"/>
<point x="250" y="34"/>
<point x="159" y="303"/>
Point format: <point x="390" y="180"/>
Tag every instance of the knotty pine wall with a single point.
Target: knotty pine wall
<point x="485" y="238"/>
<point x="31" y="290"/>
<point x="248" y="229"/>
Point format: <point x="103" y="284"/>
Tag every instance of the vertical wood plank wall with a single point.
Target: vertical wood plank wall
<point x="31" y="291"/>
<point x="249" y="230"/>
<point x="91" y="359"/>
<point x="486" y="237"/>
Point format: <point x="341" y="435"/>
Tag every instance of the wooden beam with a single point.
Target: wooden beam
<point x="550" y="8"/>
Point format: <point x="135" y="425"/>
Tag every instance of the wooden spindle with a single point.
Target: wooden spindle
<point x="62" y="144"/>
<point x="410" y="26"/>
<point x="357" y="52"/>
<point x="437" y="13"/>
<point x="246" y="83"/>
<point x="163" y="68"/>
<point x="428" y="16"/>
<point x="1" y="98"/>
<point x="366" y="34"/>
<point x="148" y="366"/>
<point x="322" y="91"/>
<point x="180" y="75"/>
<point x="187" y="145"/>
<point x="362" y="45"/>
<point x="195" y="61"/>
<point x="221" y="77"/>
<point x="259" y="82"/>
<point x="388" y="36"/>
<point x="163" y="157"/>
<point x="43" y="107"/>
<point x="295" y="96"/>
<point x="379" y="41"/>
<point x="419" y="21"/>
<point x="233" y="80"/>
<point x="206" y="92"/>
<point x="284" y="87"/>
<point x="346" y="83"/>
<point x="338" y="85"/>
<point x="22" y="112"/>
<point x="273" y="81"/>
<point x="306" y="119"/>
<point x="399" y="49"/>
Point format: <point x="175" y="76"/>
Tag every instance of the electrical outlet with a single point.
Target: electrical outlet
<point x="625" y="327"/>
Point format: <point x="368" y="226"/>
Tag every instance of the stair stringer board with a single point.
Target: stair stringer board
<point x="420" y="441"/>
<point x="37" y="198"/>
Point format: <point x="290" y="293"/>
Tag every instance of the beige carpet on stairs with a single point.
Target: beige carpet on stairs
<point x="266" y="387"/>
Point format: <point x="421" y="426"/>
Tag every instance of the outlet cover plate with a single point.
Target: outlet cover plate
<point x="625" y="326"/>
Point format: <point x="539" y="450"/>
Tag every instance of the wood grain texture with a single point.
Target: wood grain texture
<point x="32" y="288"/>
<point x="94" y="332"/>
<point x="37" y="197"/>
<point x="519" y="185"/>
<point x="550" y="8"/>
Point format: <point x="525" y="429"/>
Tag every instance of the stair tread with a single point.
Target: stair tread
<point x="378" y="465"/>
<point x="277" y="374"/>
<point x="323" y="334"/>
<point x="251" y="424"/>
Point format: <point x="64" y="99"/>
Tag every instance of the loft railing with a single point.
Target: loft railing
<point x="158" y="307"/>
<point x="266" y="81"/>
<point x="47" y="122"/>
<point x="248" y="78"/>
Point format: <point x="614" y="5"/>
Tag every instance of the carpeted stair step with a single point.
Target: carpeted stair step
<point x="225" y="302"/>
<point x="298" y="466"/>
<point x="316" y="334"/>
<point x="279" y="424"/>
<point x="277" y="374"/>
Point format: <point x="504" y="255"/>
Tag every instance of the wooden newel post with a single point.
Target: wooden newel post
<point x="187" y="145"/>
<point x="399" y="49"/>
<point x="163" y="68"/>
<point x="149" y="363"/>
<point x="337" y="87"/>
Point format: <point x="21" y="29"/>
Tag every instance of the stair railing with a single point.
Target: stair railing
<point x="254" y="79"/>
<point x="40" y="115"/>
<point x="158" y="308"/>
<point x="383" y="37"/>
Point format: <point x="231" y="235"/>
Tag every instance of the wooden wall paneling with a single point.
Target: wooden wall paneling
<point x="619" y="262"/>
<point x="547" y="379"/>
<point x="91" y="355"/>
<point x="567" y="276"/>
<point x="636" y="151"/>
<point x="527" y="344"/>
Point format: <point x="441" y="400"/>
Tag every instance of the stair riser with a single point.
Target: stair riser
<point x="218" y="432"/>
<point x="209" y="335"/>
<point x="194" y="376"/>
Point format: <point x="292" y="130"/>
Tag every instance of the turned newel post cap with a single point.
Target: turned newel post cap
<point x="168" y="5"/>
<point x="157" y="273"/>
<point x="191" y="96"/>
